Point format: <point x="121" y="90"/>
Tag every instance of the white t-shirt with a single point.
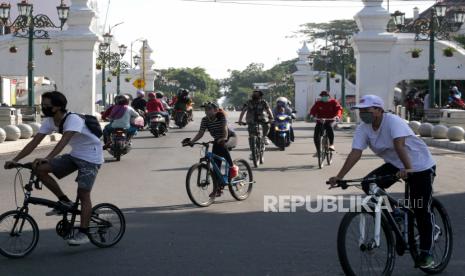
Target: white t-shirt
<point x="381" y="142"/>
<point x="84" y="144"/>
<point x="126" y="119"/>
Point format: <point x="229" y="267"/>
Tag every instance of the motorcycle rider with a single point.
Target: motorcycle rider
<point x="184" y="103"/>
<point x="325" y="108"/>
<point x="121" y="116"/>
<point x="155" y="105"/>
<point x="86" y="157"/>
<point x="256" y="109"/>
<point x="216" y="123"/>
<point x="282" y="107"/>
<point x="139" y="103"/>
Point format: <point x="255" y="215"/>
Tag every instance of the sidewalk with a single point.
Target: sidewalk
<point x="15" y="146"/>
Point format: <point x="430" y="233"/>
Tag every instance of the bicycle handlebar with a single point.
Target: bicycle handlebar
<point x="22" y="166"/>
<point x="344" y="184"/>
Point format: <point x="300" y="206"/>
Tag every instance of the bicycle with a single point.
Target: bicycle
<point x="19" y="233"/>
<point x="322" y="149"/>
<point x="257" y="145"/>
<point x="206" y="177"/>
<point x="381" y="234"/>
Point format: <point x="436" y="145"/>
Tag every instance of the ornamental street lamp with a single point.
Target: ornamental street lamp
<point x="30" y="26"/>
<point x="343" y="53"/>
<point x="437" y="27"/>
<point x="325" y="54"/>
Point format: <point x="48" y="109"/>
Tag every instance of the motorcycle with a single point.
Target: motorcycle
<point x="120" y="143"/>
<point x="181" y="118"/>
<point x="281" y="133"/>
<point x="157" y="125"/>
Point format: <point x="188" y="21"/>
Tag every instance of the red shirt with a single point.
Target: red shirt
<point x="155" y="105"/>
<point x="329" y="109"/>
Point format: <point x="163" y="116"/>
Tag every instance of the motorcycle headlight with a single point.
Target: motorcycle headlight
<point x="282" y="118"/>
<point x="276" y="128"/>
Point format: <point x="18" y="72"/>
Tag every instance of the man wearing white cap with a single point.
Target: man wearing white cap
<point x="405" y="155"/>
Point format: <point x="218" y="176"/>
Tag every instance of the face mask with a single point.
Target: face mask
<point x="367" y="117"/>
<point x="325" y="99"/>
<point x="48" y="111"/>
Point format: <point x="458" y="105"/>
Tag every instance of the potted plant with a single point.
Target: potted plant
<point x="13" y="49"/>
<point x="318" y="79"/>
<point x="114" y="73"/>
<point x="449" y="51"/>
<point x="48" y="51"/>
<point x="415" y="52"/>
<point x="345" y="115"/>
<point x="332" y="75"/>
<point x="127" y="79"/>
<point x="108" y="79"/>
<point x="98" y="66"/>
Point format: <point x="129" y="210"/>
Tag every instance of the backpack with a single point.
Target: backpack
<point x="91" y="122"/>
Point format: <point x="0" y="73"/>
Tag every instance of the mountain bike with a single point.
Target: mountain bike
<point x="322" y="149"/>
<point x="206" y="177"/>
<point x="368" y="240"/>
<point x="257" y="145"/>
<point x="19" y="232"/>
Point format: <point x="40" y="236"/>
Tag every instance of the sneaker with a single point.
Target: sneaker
<point x="332" y="148"/>
<point x="267" y="141"/>
<point x="215" y="193"/>
<point x="57" y="211"/>
<point x="78" y="239"/>
<point x="425" y="260"/>
<point x="233" y="171"/>
<point x="250" y="157"/>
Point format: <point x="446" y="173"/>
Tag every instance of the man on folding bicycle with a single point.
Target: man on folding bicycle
<point x="216" y="123"/>
<point x="86" y="157"/>
<point x="404" y="154"/>
<point x="256" y="109"/>
<point x="326" y="108"/>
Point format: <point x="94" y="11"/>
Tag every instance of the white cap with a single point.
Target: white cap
<point x="370" y="101"/>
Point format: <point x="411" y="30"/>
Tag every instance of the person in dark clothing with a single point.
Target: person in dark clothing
<point x="139" y="103"/>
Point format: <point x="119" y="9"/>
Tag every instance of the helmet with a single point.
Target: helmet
<point x="259" y="91"/>
<point x="159" y="95"/>
<point x="324" y="93"/>
<point x="140" y="93"/>
<point x="151" y="95"/>
<point x="210" y="105"/>
<point x="282" y="101"/>
<point x="184" y="92"/>
<point x="121" y="100"/>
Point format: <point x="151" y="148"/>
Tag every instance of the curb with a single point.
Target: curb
<point x="444" y="143"/>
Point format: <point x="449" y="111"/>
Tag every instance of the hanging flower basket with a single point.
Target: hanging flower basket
<point x="449" y="51"/>
<point x="332" y="75"/>
<point x="108" y="79"/>
<point x="48" y="52"/>
<point x="114" y="73"/>
<point x="98" y="66"/>
<point x="127" y="79"/>
<point x="318" y="79"/>
<point x="415" y="52"/>
<point x="13" y="49"/>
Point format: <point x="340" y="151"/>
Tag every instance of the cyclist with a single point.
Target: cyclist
<point x="216" y="123"/>
<point x="256" y="109"/>
<point x="404" y="154"/>
<point x="325" y="108"/>
<point x="86" y="157"/>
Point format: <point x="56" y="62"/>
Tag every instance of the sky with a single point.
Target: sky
<point x="219" y="36"/>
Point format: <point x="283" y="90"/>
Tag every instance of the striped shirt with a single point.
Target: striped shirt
<point x="215" y="127"/>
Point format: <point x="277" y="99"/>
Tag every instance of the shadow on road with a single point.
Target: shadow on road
<point x="289" y="168"/>
<point x="172" y="169"/>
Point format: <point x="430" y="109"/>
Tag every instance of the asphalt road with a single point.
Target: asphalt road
<point x="167" y="235"/>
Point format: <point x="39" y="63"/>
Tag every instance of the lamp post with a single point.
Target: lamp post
<point x="122" y="51"/>
<point x="437" y="27"/>
<point x="343" y="53"/>
<point x="30" y="26"/>
<point x="325" y="55"/>
<point x="104" y="57"/>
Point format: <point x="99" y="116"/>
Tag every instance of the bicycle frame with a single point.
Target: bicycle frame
<point x="210" y="158"/>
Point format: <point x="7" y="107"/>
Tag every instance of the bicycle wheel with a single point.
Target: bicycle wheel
<point x="200" y="184"/>
<point x="321" y="152"/>
<point x="253" y="149"/>
<point x="19" y="234"/>
<point x="241" y="186"/>
<point x="356" y="248"/>
<point x="328" y="153"/>
<point x="107" y="225"/>
<point x="443" y="239"/>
